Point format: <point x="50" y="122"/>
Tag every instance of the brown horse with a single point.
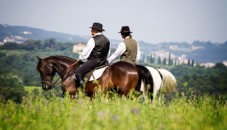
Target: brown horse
<point x="124" y="77"/>
<point x="121" y="76"/>
<point x="49" y="66"/>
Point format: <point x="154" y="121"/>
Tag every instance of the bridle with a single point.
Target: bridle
<point x="46" y="82"/>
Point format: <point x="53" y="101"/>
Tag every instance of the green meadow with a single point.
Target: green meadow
<point x="200" y="102"/>
<point x="40" y="111"/>
<point x="30" y="89"/>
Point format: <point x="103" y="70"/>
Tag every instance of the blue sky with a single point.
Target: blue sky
<point x="152" y="21"/>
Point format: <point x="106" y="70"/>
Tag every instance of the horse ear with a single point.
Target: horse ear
<point x="39" y="59"/>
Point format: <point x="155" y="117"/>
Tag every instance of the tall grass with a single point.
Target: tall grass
<point x="53" y="113"/>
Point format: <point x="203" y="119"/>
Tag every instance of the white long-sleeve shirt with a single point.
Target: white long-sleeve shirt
<point x="88" y="48"/>
<point x="120" y="50"/>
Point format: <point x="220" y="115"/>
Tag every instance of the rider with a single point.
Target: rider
<point x="94" y="53"/>
<point x="128" y="49"/>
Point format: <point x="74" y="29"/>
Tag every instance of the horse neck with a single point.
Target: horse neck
<point x="63" y="66"/>
<point x="60" y="68"/>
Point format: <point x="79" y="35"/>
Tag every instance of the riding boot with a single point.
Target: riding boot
<point x="79" y="81"/>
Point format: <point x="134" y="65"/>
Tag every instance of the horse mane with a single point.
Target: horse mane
<point x="145" y="76"/>
<point x="62" y="58"/>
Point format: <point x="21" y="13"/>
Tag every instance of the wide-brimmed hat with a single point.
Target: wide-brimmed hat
<point x="125" y="29"/>
<point x="97" y="26"/>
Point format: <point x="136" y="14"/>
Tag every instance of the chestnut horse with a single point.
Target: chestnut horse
<point x="49" y="66"/>
<point x="121" y="76"/>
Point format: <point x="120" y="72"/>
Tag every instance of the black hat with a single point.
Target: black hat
<point x="97" y="26"/>
<point x="125" y="29"/>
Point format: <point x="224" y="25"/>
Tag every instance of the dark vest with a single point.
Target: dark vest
<point x="101" y="49"/>
<point x="131" y="51"/>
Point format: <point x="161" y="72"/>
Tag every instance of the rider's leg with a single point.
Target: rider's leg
<point x="83" y="69"/>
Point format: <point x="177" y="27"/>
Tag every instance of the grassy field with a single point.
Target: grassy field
<point x="30" y="89"/>
<point x="49" y="112"/>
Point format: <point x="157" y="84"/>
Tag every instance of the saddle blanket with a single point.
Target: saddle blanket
<point x="97" y="73"/>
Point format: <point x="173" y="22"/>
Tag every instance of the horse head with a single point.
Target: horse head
<point x="47" y="73"/>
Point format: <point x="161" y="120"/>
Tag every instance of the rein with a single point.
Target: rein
<point x="56" y="82"/>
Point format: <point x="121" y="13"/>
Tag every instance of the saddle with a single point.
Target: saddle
<point x="97" y="71"/>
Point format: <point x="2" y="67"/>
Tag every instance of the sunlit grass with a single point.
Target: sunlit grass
<point x="31" y="88"/>
<point x="50" y="112"/>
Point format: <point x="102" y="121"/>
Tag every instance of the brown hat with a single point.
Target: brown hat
<point x="125" y="29"/>
<point x="97" y="26"/>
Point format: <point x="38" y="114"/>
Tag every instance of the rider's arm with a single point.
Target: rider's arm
<point x="138" y="52"/>
<point x="109" y="50"/>
<point x="119" y="51"/>
<point x="87" y="50"/>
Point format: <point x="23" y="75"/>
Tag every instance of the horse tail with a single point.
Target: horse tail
<point x="145" y="81"/>
<point x="169" y="81"/>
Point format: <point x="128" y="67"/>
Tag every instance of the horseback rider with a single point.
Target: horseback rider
<point x="95" y="52"/>
<point x="128" y="49"/>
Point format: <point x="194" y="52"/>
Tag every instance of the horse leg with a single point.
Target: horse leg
<point x="90" y="89"/>
<point x="70" y="86"/>
<point x="72" y="90"/>
<point x="102" y="84"/>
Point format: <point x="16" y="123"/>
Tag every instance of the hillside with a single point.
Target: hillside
<point x="199" y="51"/>
<point x="22" y="33"/>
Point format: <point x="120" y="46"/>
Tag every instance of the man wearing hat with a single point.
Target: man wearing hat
<point x="128" y="49"/>
<point x="95" y="52"/>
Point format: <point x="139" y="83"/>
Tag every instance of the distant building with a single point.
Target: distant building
<point x="78" y="47"/>
<point x="8" y="39"/>
<point x="182" y="59"/>
<point x="12" y="38"/>
<point x="26" y="32"/>
<point x="225" y="63"/>
<point x="208" y="65"/>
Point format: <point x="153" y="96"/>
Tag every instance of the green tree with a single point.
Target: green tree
<point x="189" y="62"/>
<point x="152" y="59"/>
<point x="148" y="59"/>
<point x="193" y="62"/>
<point x="219" y="66"/>
<point x="159" y="60"/>
<point x="164" y="61"/>
<point x="2" y="54"/>
<point x="11" y="87"/>
<point x="170" y="61"/>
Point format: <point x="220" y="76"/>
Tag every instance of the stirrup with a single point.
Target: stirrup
<point x="79" y="81"/>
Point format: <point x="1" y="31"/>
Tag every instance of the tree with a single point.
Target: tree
<point x="143" y="58"/>
<point x="11" y="46"/>
<point x="219" y="66"/>
<point x="170" y="61"/>
<point x="188" y="64"/>
<point x="50" y="44"/>
<point x="200" y="80"/>
<point x="11" y="87"/>
<point x="164" y="61"/>
<point x="148" y="59"/>
<point x="193" y="62"/>
<point x="159" y="60"/>
<point x="2" y="54"/>
<point x="152" y="59"/>
<point x="176" y="61"/>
